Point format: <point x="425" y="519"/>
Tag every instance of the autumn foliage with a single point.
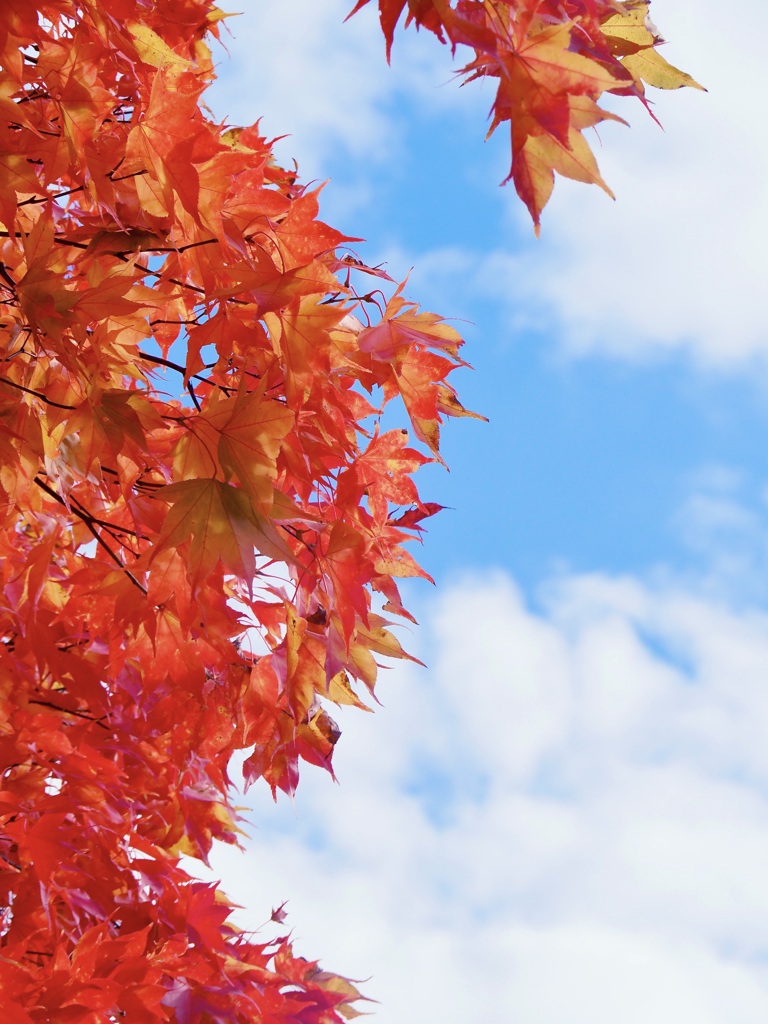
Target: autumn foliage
<point x="199" y="510"/>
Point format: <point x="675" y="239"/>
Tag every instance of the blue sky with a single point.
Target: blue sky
<point x="564" y="818"/>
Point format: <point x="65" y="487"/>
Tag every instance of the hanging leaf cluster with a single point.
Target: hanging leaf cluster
<point x="552" y="61"/>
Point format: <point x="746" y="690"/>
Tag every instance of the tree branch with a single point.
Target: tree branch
<point x="88" y="520"/>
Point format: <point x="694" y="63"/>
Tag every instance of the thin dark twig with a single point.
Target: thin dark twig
<point x="11" y="863"/>
<point x="180" y="369"/>
<point x="30" y="391"/>
<point x="112" y="527"/>
<point x="87" y="519"/>
<point x="68" y="711"/>
<point x="7" y="278"/>
<point x="59" y="195"/>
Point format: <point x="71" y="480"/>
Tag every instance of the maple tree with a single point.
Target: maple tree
<point x="149" y="531"/>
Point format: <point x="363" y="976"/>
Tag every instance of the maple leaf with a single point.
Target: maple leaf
<point x="220" y="525"/>
<point x="239" y="436"/>
<point x="279" y="913"/>
<point x="653" y="69"/>
<point x="631" y="38"/>
<point x="153" y="49"/>
<point x="43" y="843"/>
<point x="253" y="430"/>
<point x="411" y="518"/>
<point x="383" y="474"/>
<point x="342" y="554"/>
<point x="160" y="145"/>
<point x="423" y="12"/>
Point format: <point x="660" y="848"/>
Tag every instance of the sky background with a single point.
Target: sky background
<point x="564" y="819"/>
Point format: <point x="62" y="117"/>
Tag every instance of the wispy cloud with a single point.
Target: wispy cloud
<point x="323" y="82"/>
<point x="723" y="523"/>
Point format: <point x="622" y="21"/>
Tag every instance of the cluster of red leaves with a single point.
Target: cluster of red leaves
<point x="553" y="60"/>
<point x="145" y="541"/>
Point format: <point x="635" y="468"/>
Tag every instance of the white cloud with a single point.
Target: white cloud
<point x="566" y="819"/>
<point x="325" y="82"/>
<point x="296" y="64"/>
